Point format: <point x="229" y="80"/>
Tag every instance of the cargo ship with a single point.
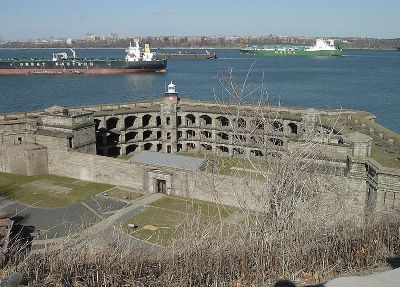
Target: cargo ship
<point x="321" y="48"/>
<point x="135" y="61"/>
<point x="179" y="55"/>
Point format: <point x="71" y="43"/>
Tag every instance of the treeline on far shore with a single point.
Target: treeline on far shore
<point x="209" y="42"/>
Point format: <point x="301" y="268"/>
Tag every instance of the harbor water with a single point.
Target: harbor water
<point x="364" y="80"/>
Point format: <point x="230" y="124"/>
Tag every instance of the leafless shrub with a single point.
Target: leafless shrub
<point x="305" y="225"/>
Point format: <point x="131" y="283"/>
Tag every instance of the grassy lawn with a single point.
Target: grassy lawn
<point x="123" y="194"/>
<point x="386" y="159"/>
<point x="127" y="156"/>
<point x="378" y="153"/>
<point x="227" y="164"/>
<point x="48" y="190"/>
<point x="162" y="220"/>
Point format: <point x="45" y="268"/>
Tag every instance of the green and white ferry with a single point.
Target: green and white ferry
<point x="321" y="48"/>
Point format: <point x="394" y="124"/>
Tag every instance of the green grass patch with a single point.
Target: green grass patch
<point x="164" y="223"/>
<point x="48" y="190"/>
<point x="234" y="165"/>
<point x="163" y="219"/>
<point x="127" y="156"/>
<point x="191" y="206"/>
<point x="384" y="158"/>
<point x="123" y="194"/>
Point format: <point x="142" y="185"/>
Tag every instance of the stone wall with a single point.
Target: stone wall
<point x="24" y="159"/>
<point x="95" y="168"/>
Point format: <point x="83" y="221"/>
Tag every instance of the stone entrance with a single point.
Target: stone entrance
<point x="161" y="186"/>
<point x="159" y="182"/>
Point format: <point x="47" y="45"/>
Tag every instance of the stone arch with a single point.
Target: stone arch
<point x="112" y="123"/>
<point x="178" y="121"/>
<point x="190" y="146"/>
<point x="223" y="121"/>
<point x="277" y="126"/>
<point x="168" y="135"/>
<point x="205" y="120"/>
<point x="206" y="147"/>
<point x="159" y="147"/>
<point x="159" y="134"/>
<point x="190" y="134"/>
<point x="147" y="146"/>
<point x="223" y="136"/>
<point x="158" y="121"/>
<point x="223" y="149"/>
<point x="257" y="124"/>
<point x="206" y="135"/>
<point x="168" y="121"/>
<point x="293" y="128"/>
<point x="239" y="138"/>
<point x="238" y="151"/>
<point x="241" y="123"/>
<point x="256" y="152"/>
<point x="178" y="147"/>
<point x="131" y="148"/>
<point x="190" y="120"/>
<point x="146" y="119"/>
<point x="169" y="149"/>
<point x="147" y="135"/>
<point x="130" y="136"/>
<point x="129" y="121"/>
<point x="276" y="141"/>
<point x="257" y="139"/>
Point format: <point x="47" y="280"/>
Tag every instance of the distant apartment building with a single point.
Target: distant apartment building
<point x="110" y="37"/>
<point x="68" y="41"/>
<point x="90" y="37"/>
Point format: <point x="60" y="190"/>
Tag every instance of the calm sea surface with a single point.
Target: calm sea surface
<point x="365" y="80"/>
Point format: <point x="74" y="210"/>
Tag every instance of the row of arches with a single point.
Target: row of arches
<point x="149" y="135"/>
<point x="190" y="120"/>
<point x="239" y="123"/>
<point x="115" y="151"/>
<point x="129" y="122"/>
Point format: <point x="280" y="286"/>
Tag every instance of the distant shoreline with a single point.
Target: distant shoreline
<point x="170" y="48"/>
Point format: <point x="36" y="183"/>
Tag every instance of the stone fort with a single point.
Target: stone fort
<point x="90" y="143"/>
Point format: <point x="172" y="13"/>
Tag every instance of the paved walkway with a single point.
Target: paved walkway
<point x="383" y="279"/>
<point x="60" y="221"/>
<point x="110" y="225"/>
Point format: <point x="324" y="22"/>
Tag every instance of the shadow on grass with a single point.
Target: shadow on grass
<point x="287" y="283"/>
<point x="284" y="283"/>
<point x="394" y="262"/>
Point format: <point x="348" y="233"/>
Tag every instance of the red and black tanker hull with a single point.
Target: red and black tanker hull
<point x="79" y="66"/>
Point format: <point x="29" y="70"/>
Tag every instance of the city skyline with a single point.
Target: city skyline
<point x="23" y="19"/>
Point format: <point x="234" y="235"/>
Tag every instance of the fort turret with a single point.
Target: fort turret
<point x="169" y="109"/>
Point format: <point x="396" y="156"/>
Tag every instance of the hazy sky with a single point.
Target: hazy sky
<point x="30" y="19"/>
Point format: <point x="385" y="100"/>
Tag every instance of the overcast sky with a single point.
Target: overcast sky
<point x="31" y="19"/>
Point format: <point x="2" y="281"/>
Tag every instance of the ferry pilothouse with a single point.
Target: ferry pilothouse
<point x="135" y="61"/>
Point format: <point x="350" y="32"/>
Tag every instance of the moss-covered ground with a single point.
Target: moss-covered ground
<point x="48" y="190"/>
<point x="163" y="219"/>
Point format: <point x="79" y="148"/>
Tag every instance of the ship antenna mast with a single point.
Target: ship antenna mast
<point x="73" y="53"/>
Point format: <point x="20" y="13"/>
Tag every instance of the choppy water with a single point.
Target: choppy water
<point x="365" y="80"/>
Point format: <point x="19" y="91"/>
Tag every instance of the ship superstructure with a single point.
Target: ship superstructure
<point x="321" y="48"/>
<point x="135" y="61"/>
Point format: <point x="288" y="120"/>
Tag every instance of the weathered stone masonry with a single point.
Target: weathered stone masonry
<point x="65" y="142"/>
